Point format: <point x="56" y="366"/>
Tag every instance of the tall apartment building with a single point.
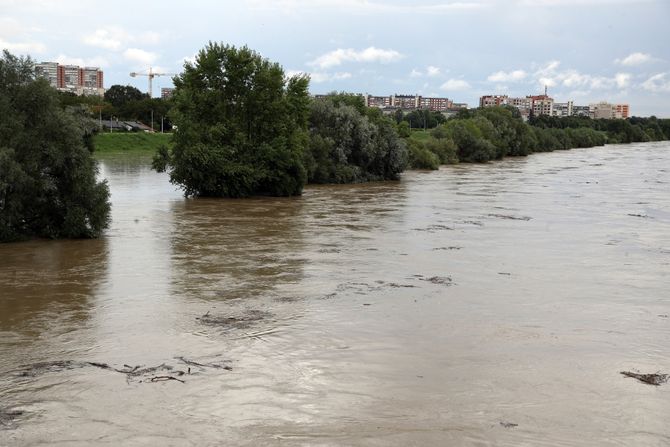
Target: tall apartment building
<point x="562" y="109"/>
<point x="605" y="110"/>
<point x="581" y="111"/>
<point x="72" y="78"/>
<point x="409" y="102"/>
<point x="621" y="111"/>
<point x="48" y="71"/>
<point x="493" y="100"/>
<point x="542" y="105"/>
<point x="405" y="101"/>
<point x="435" y="104"/>
<point x="378" y="101"/>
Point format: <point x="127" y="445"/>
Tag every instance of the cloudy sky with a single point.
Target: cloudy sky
<point x="583" y="50"/>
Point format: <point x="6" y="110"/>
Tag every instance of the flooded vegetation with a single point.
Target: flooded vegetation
<point x="510" y="303"/>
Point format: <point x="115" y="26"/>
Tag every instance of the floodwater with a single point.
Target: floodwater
<point x="477" y="305"/>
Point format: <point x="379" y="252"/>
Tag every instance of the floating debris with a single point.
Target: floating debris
<point x="8" y="417"/>
<point x="453" y="247"/>
<point x="444" y="280"/>
<point x="164" y="379"/>
<point x="398" y="286"/>
<point x="508" y="424"/>
<point x="505" y="216"/>
<point x="644" y="216"/>
<point x="473" y="222"/>
<point x="133" y="373"/>
<point x="238" y="322"/>
<point x="204" y="365"/>
<point x="651" y="379"/>
<point x="504" y="273"/>
<point x="434" y="228"/>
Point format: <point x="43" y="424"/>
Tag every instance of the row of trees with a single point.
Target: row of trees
<point x="123" y="102"/>
<point x="492" y="133"/>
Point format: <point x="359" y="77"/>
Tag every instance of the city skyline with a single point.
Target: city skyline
<point x="584" y="51"/>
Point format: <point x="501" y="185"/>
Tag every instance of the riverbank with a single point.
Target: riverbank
<point x="130" y="142"/>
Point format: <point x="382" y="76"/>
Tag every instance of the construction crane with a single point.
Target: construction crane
<point x="151" y="76"/>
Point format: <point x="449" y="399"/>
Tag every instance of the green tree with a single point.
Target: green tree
<point x="119" y="95"/>
<point x="347" y="146"/>
<point x="242" y="126"/>
<point x="48" y="185"/>
<point x="403" y="129"/>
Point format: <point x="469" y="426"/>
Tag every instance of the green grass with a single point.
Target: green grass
<point x="420" y="135"/>
<point x="130" y="141"/>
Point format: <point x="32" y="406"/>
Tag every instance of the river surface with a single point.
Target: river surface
<point x="476" y="305"/>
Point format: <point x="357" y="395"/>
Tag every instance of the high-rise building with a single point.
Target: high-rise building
<point x="605" y="110"/>
<point x="541" y="105"/>
<point x="493" y="100"/>
<point x="72" y="78"/>
<point x="378" y="101"/>
<point x="408" y="102"/>
<point x="48" y="71"/>
<point x="435" y="104"/>
<point x="562" y="109"/>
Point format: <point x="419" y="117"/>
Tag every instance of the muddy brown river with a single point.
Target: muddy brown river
<point x="476" y="305"/>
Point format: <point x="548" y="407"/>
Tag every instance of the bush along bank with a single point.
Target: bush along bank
<point x="487" y="134"/>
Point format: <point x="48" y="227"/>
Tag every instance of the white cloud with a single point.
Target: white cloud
<point x="512" y="76"/>
<point x="455" y="85"/>
<point x="319" y="77"/>
<point x="432" y="71"/>
<point x="142" y="57"/>
<point x="622" y="79"/>
<point x="149" y="38"/>
<point x="292" y="7"/>
<point x="341" y="55"/>
<point x="115" y="38"/>
<point x="110" y="38"/>
<point x="549" y="75"/>
<point x="658" y="83"/>
<point x="23" y="47"/>
<point x="634" y="59"/>
<point x="542" y="3"/>
<point x="415" y="73"/>
<point x="93" y="62"/>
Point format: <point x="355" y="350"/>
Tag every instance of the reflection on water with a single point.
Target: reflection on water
<point x="442" y="309"/>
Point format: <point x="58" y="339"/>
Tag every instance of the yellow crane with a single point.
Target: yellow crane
<point x="151" y="76"/>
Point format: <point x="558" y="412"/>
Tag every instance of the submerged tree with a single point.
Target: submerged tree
<point x="48" y="185"/>
<point x="241" y="126"/>
<point x="352" y="144"/>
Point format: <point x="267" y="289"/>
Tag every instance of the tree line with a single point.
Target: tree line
<point x="491" y="133"/>
<point x="124" y="103"/>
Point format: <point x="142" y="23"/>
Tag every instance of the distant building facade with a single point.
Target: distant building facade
<point x="537" y="105"/>
<point x="493" y="100"/>
<point x="605" y="110"/>
<point x="72" y="78"/>
<point x="166" y="93"/>
<point x="408" y="102"/>
<point x="563" y="109"/>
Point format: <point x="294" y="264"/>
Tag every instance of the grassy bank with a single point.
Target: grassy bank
<point x="130" y="142"/>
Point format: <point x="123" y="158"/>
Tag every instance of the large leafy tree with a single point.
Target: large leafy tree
<point x="48" y="185"/>
<point x="349" y="144"/>
<point x="119" y="95"/>
<point x="241" y="126"/>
